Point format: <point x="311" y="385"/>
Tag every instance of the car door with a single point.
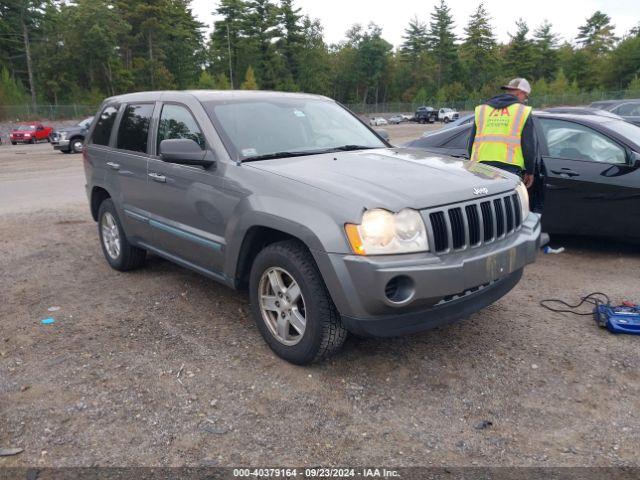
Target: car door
<point x="582" y="171"/>
<point x="127" y="164"/>
<point x="184" y="202"/>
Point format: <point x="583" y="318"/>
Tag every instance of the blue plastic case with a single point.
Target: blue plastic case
<point x="619" y="319"/>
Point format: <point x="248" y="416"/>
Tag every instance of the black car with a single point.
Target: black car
<point x="587" y="173"/>
<point x="71" y="139"/>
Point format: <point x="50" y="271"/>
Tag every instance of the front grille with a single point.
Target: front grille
<point x="473" y="223"/>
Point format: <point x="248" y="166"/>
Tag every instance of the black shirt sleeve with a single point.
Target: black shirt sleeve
<point x="529" y="146"/>
<point x="472" y="137"/>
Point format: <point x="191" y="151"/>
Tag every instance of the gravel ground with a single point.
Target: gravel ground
<point x="162" y="367"/>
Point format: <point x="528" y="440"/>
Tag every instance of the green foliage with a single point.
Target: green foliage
<point x="84" y="50"/>
<point x="597" y="33"/>
<point x="441" y="41"/>
<point x="249" y="80"/>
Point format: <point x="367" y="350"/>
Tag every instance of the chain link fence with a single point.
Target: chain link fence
<point x="20" y="113"/>
<point x="539" y="101"/>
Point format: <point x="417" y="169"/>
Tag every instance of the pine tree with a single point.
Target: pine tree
<point x="598" y="33"/>
<point x="249" y="80"/>
<point x="228" y="38"/>
<point x="441" y="41"/>
<point x="545" y="48"/>
<point x="519" y="58"/>
<point x="478" y="52"/>
<point x="292" y="41"/>
<point x="261" y="27"/>
<point x="415" y="40"/>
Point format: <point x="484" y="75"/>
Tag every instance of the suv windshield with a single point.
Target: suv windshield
<point x="263" y="127"/>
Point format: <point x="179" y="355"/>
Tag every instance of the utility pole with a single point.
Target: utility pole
<point x="229" y="49"/>
<point x="27" y="49"/>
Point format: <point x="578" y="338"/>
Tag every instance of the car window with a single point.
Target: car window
<point x="177" y="122"/>
<point x="628" y="109"/>
<point x="134" y="127"/>
<point x="102" y="132"/>
<point x="577" y="142"/>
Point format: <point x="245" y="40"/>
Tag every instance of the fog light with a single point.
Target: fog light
<point x="399" y="289"/>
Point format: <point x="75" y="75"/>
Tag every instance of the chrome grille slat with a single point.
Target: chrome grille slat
<point x="473" y="223"/>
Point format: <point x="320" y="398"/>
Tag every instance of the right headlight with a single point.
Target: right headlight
<point x="63" y="135"/>
<point x="383" y="233"/>
<point x="523" y="196"/>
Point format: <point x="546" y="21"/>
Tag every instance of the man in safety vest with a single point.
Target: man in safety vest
<point x="503" y="134"/>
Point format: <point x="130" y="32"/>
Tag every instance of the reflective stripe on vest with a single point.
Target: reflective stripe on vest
<point x="499" y="133"/>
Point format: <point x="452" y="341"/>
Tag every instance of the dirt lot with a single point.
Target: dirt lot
<point x="164" y="367"/>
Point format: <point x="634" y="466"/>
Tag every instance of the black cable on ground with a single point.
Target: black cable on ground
<point x="595" y="299"/>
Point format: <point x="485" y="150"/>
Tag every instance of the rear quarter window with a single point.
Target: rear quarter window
<point x="104" y="125"/>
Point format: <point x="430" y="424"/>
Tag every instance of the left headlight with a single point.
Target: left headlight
<point x="523" y="196"/>
<point x="382" y="233"/>
<point x="62" y="135"/>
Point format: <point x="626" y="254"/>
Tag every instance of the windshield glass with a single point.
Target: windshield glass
<point x="626" y="129"/>
<point x="264" y="126"/>
<point x="86" y="123"/>
<point x="25" y="127"/>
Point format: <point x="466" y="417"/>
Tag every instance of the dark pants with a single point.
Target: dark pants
<point x="509" y="168"/>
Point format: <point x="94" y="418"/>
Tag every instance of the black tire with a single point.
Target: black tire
<point x="74" y="146"/>
<point x="129" y="257"/>
<point x="324" y="333"/>
<point x="32" y="141"/>
<point x="14" y="143"/>
<point x="446" y="119"/>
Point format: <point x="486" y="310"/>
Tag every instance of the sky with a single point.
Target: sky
<point x="393" y="16"/>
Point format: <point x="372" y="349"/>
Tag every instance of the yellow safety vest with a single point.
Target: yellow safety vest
<point x="499" y="134"/>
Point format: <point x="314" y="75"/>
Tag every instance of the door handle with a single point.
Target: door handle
<point x="156" y="177"/>
<point x="566" y="172"/>
<point x="113" y="166"/>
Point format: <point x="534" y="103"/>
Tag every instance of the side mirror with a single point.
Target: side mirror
<point x="383" y="133"/>
<point x="185" y="151"/>
<point x="634" y="159"/>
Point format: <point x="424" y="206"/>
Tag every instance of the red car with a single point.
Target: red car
<point x="30" y="133"/>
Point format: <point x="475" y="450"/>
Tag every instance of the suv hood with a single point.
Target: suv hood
<point x="393" y="178"/>
<point x="73" y="129"/>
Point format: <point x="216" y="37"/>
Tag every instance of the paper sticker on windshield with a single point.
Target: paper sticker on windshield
<point x="299" y="113"/>
<point x="249" y="152"/>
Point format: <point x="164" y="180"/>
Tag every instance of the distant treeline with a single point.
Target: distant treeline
<point x="78" y="52"/>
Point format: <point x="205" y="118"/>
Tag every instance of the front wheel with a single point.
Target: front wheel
<point x="76" y="145"/>
<point x="291" y="305"/>
<point x="14" y="143"/>
<point x="446" y="119"/>
<point x="119" y="253"/>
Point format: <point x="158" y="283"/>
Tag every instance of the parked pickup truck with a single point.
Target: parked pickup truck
<point x="425" y="115"/>
<point x="30" y="133"/>
<point x="71" y="139"/>
<point x="447" y="115"/>
<point x="297" y="200"/>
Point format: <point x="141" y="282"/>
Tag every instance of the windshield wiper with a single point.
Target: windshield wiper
<point x="341" y="148"/>
<point x="350" y="148"/>
<point x="269" y="156"/>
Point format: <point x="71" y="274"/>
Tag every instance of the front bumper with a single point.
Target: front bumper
<point x="60" y="144"/>
<point x="444" y="288"/>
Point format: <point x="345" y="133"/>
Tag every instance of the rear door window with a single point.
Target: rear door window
<point x="134" y="127"/>
<point x="102" y="132"/>
<point x="177" y="122"/>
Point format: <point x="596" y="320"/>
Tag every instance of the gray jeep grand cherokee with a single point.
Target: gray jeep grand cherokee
<point x="329" y="227"/>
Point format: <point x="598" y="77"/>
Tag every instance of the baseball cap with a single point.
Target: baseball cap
<point x="518" y="84"/>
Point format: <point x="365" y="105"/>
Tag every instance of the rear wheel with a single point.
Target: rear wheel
<point x="32" y="141"/>
<point x="291" y="305"/>
<point x="14" y="143"/>
<point x="119" y="253"/>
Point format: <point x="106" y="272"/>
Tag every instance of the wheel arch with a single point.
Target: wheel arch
<point x="98" y="195"/>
